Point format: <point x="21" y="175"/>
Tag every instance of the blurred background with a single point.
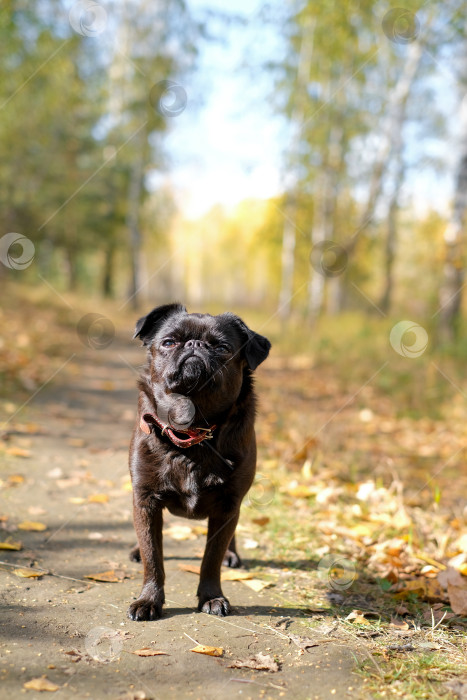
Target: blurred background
<point x="303" y="158"/>
<point x="303" y="164"/>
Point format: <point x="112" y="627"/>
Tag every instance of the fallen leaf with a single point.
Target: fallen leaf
<point x="429" y="645"/>
<point x="457" y="591"/>
<point x="191" y="569"/>
<point x="77" y="500"/>
<point x="107" y="576"/>
<point x="149" y="652"/>
<point x="258" y="662"/>
<point x="12" y="546"/>
<point x="426" y="588"/>
<point x="262" y="521"/>
<point x="28" y="573"/>
<point x="209" y="651"/>
<point x="74" y="655"/>
<point x="256" y="585"/>
<point x="398" y="624"/>
<point x="235" y="575"/>
<point x="357" y="616"/>
<point x="41" y="684"/>
<point x="303" y="642"/>
<point x="199" y="529"/>
<point x="32" y="526"/>
<point x="180" y="532"/>
<point x="299" y="491"/>
<point x="15" y="479"/>
<point x="99" y="498"/>
<point x="17" y="452"/>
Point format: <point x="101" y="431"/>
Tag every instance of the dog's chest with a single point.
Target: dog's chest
<point x="190" y="490"/>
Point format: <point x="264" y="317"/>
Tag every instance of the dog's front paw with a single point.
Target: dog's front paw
<point x="232" y="559"/>
<point x="147" y="607"/>
<point x="215" y="606"/>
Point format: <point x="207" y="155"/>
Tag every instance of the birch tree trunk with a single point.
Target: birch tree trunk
<point x="450" y="295"/>
<point x="134" y="233"/>
<point x="298" y="113"/>
<point x="391" y="233"/>
<point x="390" y="136"/>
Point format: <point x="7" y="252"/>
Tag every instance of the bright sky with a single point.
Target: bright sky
<point x="226" y="145"/>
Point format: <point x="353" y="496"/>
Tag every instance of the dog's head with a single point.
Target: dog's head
<point x="200" y="356"/>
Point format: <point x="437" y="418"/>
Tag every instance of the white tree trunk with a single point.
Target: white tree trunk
<point x="450" y="296"/>
<point x="390" y="137"/>
<point x="288" y="236"/>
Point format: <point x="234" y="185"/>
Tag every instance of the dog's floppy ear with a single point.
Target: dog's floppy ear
<point x="256" y="347"/>
<point x="147" y="326"/>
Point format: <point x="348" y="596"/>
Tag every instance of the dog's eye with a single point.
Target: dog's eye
<point x="223" y="347"/>
<point x="168" y="343"/>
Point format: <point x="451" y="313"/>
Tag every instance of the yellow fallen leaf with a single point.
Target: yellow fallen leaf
<point x="77" y="500"/>
<point x="28" y="573"/>
<point x="180" y="532"/>
<point x="361" y="530"/>
<point x="199" y="529"/>
<point x="15" y="479"/>
<point x="428" y="588"/>
<point x="13" y="546"/>
<point x="127" y="486"/>
<point x="107" y="577"/>
<point x="98" y="498"/>
<point x="209" y="651"/>
<point x="235" y="575"/>
<point x="358" y="617"/>
<point x="32" y="526"/>
<point x="299" y="491"/>
<point x="463" y="569"/>
<point x="41" y="684"/>
<point x="17" y="452"/>
<point x="430" y="560"/>
<point x="149" y="652"/>
<point x="190" y="568"/>
<point x="256" y="584"/>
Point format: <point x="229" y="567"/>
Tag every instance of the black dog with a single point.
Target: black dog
<point x="193" y="449"/>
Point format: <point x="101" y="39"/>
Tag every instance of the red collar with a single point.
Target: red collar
<point x="196" y="435"/>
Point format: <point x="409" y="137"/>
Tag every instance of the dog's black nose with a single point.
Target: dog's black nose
<point x="195" y="344"/>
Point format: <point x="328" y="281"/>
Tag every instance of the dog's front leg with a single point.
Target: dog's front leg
<point x="148" y="526"/>
<point x="220" y="533"/>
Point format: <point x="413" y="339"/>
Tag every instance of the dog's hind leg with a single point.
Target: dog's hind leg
<point x="231" y="557"/>
<point x="135" y="554"/>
